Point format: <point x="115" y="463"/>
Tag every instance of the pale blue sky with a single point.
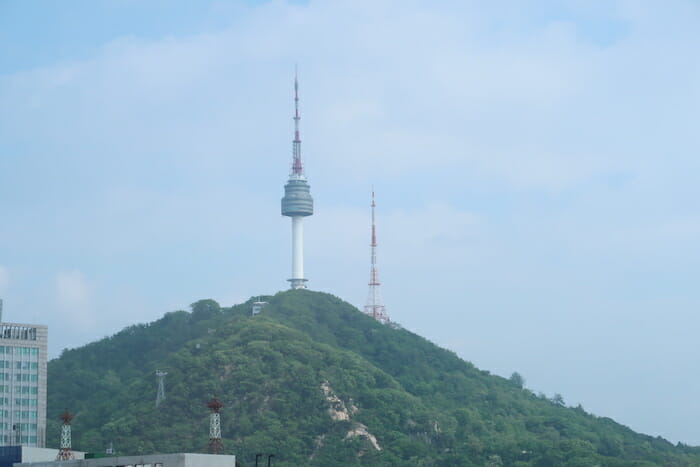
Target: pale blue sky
<point x="536" y="168"/>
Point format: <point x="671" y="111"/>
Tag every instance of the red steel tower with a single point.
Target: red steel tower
<point x="65" y="453"/>
<point x="375" y="306"/>
<point x="215" y="444"/>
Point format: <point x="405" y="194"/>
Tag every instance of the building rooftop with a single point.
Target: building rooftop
<point x="152" y="460"/>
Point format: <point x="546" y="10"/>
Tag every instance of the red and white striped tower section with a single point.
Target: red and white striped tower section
<point x="375" y="306"/>
<point x="215" y="444"/>
<point x="65" y="453"/>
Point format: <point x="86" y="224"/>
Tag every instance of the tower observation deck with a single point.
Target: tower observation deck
<point x="297" y="202"/>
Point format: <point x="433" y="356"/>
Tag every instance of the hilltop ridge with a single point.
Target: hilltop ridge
<point x="316" y="382"/>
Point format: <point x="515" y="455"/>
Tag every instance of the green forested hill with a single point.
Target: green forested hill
<point x="315" y="382"/>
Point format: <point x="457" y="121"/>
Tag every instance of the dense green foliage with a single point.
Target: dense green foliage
<point x="424" y="405"/>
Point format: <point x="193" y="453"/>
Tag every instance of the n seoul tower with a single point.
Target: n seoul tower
<point x="297" y="202"/>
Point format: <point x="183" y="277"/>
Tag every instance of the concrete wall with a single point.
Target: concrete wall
<point x="165" y="460"/>
<point x="31" y="454"/>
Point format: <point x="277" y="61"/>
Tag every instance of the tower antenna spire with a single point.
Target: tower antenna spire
<point x="375" y="306"/>
<point x="297" y="167"/>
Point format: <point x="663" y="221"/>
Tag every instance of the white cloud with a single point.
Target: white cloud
<point x="390" y="90"/>
<point x="435" y="224"/>
<point x="72" y="290"/>
<point x="74" y="302"/>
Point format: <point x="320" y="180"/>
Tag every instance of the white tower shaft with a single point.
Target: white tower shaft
<point x="297" y="280"/>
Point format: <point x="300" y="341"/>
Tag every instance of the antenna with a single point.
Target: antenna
<point x="215" y="444"/>
<point x="160" y="395"/>
<point x="375" y="306"/>
<point x="65" y="453"/>
<point x="297" y="168"/>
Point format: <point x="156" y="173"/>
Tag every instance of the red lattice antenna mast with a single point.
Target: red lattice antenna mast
<point x="297" y="168"/>
<point x="375" y="306"/>
<point x="65" y="453"/>
<point x="215" y="444"/>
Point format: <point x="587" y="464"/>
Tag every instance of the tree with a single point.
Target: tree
<point x="517" y="379"/>
<point x="204" y="309"/>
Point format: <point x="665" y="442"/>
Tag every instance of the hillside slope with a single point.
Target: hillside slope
<point x="315" y="382"/>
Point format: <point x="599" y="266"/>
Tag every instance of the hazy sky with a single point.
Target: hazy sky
<point x="535" y="163"/>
